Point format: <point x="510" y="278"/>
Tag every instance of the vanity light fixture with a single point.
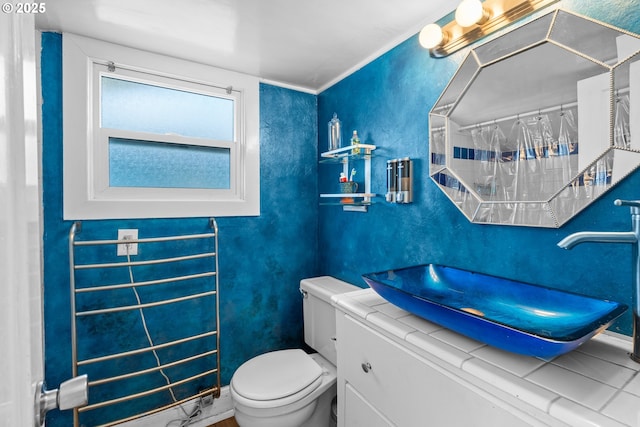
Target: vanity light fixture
<point x="432" y="36"/>
<point x="473" y="20"/>
<point x="471" y="12"/>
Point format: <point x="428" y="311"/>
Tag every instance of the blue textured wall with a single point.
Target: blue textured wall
<point x="262" y="259"/>
<point x="388" y="102"/>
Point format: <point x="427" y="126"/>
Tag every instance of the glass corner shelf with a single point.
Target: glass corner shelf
<point x="349" y="196"/>
<point x="342" y="154"/>
<point x="354" y="202"/>
<point x="349" y="203"/>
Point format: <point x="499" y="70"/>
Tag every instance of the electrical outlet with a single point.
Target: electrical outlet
<point x="127" y="234"/>
<point x="207" y="400"/>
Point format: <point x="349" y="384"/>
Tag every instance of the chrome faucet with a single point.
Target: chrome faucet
<point x="632" y="237"/>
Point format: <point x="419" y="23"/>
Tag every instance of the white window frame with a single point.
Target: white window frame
<point x="87" y="194"/>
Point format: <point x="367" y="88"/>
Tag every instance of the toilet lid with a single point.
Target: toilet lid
<point x="276" y="375"/>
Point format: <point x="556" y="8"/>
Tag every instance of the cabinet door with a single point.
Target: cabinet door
<point x="406" y="389"/>
<point x="360" y="413"/>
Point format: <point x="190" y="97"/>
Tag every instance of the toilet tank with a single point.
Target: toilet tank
<point x="320" y="315"/>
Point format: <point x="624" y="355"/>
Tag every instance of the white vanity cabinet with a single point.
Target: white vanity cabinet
<point x="383" y="384"/>
<point x="396" y="369"/>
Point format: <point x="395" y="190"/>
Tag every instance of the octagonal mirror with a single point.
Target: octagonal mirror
<point x="538" y="123"/>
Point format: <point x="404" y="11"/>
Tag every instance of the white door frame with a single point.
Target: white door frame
<point x="21" y="350"/>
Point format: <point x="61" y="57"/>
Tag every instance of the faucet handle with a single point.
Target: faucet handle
<point x="632" y="203"/>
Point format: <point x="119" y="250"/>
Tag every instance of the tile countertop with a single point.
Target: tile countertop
<point x="594" y="385"/>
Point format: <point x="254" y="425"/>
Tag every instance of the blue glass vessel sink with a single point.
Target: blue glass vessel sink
<point x="514" y="316"/>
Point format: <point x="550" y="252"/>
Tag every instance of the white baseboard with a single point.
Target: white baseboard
<point x="221" y="409"/>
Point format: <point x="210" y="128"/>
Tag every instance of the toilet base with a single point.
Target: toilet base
<point x="292" y="419"/>
<point x="316" y="414"/>
<point x="322" y="415"/>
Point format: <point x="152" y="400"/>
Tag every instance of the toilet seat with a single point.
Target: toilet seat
<point x="276" y="379"/>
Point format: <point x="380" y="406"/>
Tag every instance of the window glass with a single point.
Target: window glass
<point x="141" y="107"/>
<point x="134" y="163"/>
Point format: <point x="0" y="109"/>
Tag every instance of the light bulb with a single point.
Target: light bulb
<point x="470" y="12"/>
<point x="431" y="36"/>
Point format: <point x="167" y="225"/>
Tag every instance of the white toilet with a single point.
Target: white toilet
<point x="290" y="388"/>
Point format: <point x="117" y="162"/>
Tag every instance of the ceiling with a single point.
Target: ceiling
<point x="305" y="44"/>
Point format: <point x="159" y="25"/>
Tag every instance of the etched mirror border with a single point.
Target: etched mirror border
<point x="601" y="165"/>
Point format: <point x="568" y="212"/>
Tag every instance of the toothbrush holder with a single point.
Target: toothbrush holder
<point x="348" y="187"/>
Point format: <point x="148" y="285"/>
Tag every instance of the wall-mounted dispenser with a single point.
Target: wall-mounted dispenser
<point x="392" y="180"/>
<point x="399" y="180"/>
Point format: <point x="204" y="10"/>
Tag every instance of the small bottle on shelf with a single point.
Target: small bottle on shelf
<point x="335" y="133"/>
<point x="355" y="142"/>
